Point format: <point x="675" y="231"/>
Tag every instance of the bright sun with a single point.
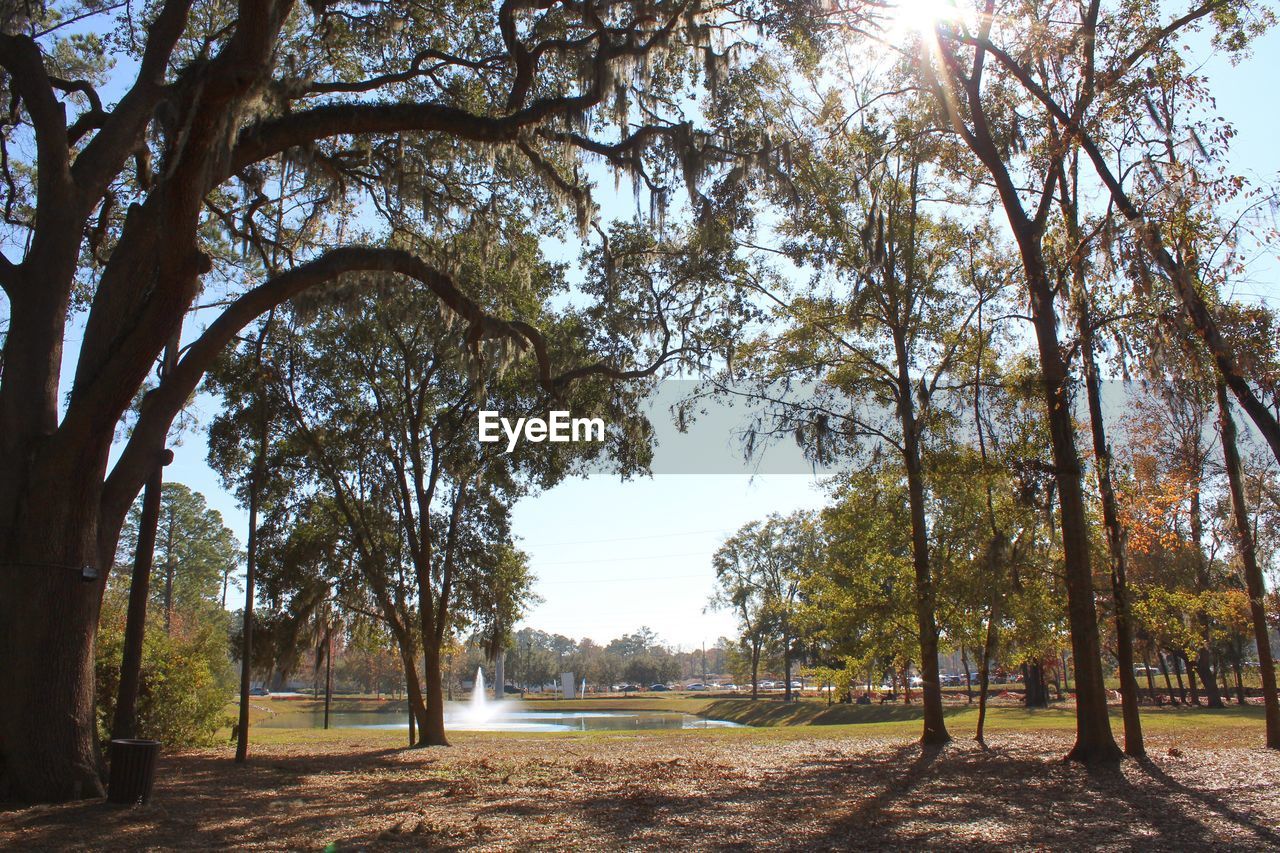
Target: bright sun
<point x="919" y="16"/>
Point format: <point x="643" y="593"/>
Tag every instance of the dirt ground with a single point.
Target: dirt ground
<point x="699" y="790"/>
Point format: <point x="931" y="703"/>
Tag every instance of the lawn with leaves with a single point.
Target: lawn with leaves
<point x="1206" y="785"/>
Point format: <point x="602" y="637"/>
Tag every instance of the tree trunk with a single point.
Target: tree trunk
<point x="499" y="675"/>
<point x="169" y="569"/>
<point x="1133" y="742"/>
<point x="1175" y="699"/>
<point x="786" y="665"/>
<point x="755" y="671"/>
<point x="968" y="677"/>
<point x="412" y="685"/>
<point x="1151" y="681"/>
<point x="433" y="723"/>
<point x="935" y="727"/>
<point x="328" y="673"/>
<point x="1036" y="694"/>
<point x="125" y="724"/>
<point x="48" y="618"/>
<point x="1182" y="688"/>
<point x="1094" y="741"/>
<point x="1252" y="571"/>
<point x="246" y="622"/>
<point x="984" y="674"/>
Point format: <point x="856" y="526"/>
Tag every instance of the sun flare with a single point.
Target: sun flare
<point x="908" y="17"/>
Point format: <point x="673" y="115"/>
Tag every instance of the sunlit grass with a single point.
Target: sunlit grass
<point x="772" y="719"/>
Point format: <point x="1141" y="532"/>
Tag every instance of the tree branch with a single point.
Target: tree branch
<point x="102" y="159"/>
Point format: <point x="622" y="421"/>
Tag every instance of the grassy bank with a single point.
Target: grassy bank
<point x="774" y="720"/>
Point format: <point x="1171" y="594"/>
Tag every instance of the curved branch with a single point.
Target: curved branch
<point x="92" y="118"/>
<point x="301" y="128"/>
<point x="162" y="404"/>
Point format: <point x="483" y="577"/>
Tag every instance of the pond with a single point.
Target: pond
<point x="510" y="718"/>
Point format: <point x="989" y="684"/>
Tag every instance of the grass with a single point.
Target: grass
<point x="767" y="720"/>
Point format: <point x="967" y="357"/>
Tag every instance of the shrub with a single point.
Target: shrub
<point x="186" y="676"/>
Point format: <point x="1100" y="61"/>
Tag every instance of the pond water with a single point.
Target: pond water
<point x="509" y="718"/>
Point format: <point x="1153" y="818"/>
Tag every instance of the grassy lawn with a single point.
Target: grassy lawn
<point x="772" y="719"/>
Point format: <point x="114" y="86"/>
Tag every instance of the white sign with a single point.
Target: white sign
<point x="558" y="428"/>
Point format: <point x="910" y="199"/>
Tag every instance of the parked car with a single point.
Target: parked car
<point x="697" y="685"/>
<point x="659" y="688"/>
<point x="729" y="687"/>
<point x="259" y="691"/>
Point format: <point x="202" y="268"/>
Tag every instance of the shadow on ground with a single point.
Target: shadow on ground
<point x="705" y="792"/>
<point x="770" y="712"/>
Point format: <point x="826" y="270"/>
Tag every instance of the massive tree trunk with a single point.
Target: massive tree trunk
<point x="52" y="572"/>
<point x="50" y="618"/>
<point x="1252" y="571"/>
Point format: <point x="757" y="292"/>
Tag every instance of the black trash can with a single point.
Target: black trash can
<point x="133" y="770"/>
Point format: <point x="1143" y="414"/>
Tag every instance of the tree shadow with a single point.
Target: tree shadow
<point x="1266" y="832"/>
<point x="705" y="793"/>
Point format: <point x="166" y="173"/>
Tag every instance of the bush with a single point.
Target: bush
<point x="186" y="676"/>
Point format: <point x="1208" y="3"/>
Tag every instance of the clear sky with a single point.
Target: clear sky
<point x="611" y="556"/>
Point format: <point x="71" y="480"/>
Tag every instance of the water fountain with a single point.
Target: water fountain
<point x="480" y="714"/>
<point x="479" y="710"/>
<point x="582" y="694"/>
